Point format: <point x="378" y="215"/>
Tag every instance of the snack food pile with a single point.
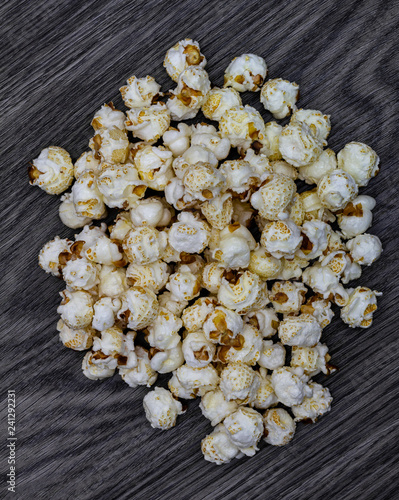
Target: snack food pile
<point x="216" y="270"/>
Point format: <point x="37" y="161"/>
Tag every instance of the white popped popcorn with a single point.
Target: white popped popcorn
<point x="154" y="165"/>
<point x="168" y="360"/>
<point x="181" y="56"/>
<point x="248" y="293"/>
<point x="177" y="139"/>
<point x="87" y="198"/>
<point x="359" y="310"/>
<point x="54" y="255"/>
<point x="272" y="355"/>
<point x="142" y="373"/>
<point x="323" y="165"/>
<point x="105" y="310"/>
<point x="215" y="407"/>
<point x="218" y="448"/>
<point x="86" y="161"/>
<point x="290" y="385"/>
<point x="190" y="234"/>
<point x="52" y="170"/>
<point x="281" y="238"/>
<point x="360" y="161"/>
<point x="154" y="275"/>
<point x="68" y="215"/>
<point x="153" y="211"/>
<point x="318" y="123"/>
<point x="245" y="427"/>
<point x="105" y="251"/>
<point x="139" y="92"/>
<point x="319" y="308"/>
<point x="193" y="317"/>
<point x="144" y="244"/>
<point x="245" y="72"/>
<point x="76" y="309"/>
<point x="357" y="216"/>
<point x="279" y="97"/>
<point x="313" y="360"/>
<point x="365" y="249"/>
<point x="336" y="189"/>
<point x="239" y="382"/>
<point x="112" y="281"/>
<point x="279" y="427"/>
<point x="287" y="297"/>
<point x="218" y="211"/>
<point x="120" y="185"/>
<point x="97" y="366"/>
<point x="234" y="247"/>
<point x="201" y="380"/>
<point x="272" y="144"/>
<point x="80" y="274"/>
<point x="198" y="351"/>
<point x="211" y="277"/>
<point x="108" y="117"/>
<point x="265" y="397"/>
<point x="218" y="101"/>
<point x="248" y="351"/>
<point x="78" y="340"/>
<point x="298" y="145"/>
<point x="274" y="196"/>
<point x="315" y="406"/>
<point x="207" y="136"/>
<point x="161" y="409"/>
<point x="303" y="330"/>
<point x="110" y="145"/>
<point x="139" y="307"/>
<point x="163" y="332"/>
<point x="263" y="264"/>
<point x="148" y="123"/>
<point x="184" y="285"/>
<point x="243" y="125"/>
<point x="265" y="320"/>
<point x="314" y="239"/>
<point x="202" y="181"/>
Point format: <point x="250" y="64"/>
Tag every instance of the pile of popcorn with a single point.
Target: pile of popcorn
<point x="208" y="215"/>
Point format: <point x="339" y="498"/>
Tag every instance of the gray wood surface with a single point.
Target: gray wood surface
<point x="79" y="439"/>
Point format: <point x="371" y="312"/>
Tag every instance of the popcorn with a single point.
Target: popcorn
<point x="315" y="406"/>
<point x="357" y="216"/>
<point x="189" y="234"/>
<point x="108" y="117"/>
<point x="78" y="340"/>
<point x="52" y="170"/>
<point x="281" y="238"/>
<point x="239" y="177"/>
<point x="54" y="255"/>
<point x="140" y="92"/>
<point x="144" y="245"/>
<point x="105" y="310"/>
<point x="163" y="332"/>
<point x="188" y="97"/>
<point x="323" y="165"/>
<point x="298" y="145"/>
<point x="365" y="249"/>
<point x="161" y="409"/>
<point x="234" y="247"/>
<point x="218" y="101"/>
<point x="215" y="407"/>
<point x="358" y="312"/>
<point x="76" y="309"/>
<point x="265" y="397"/>
<point x="360" y="161"/>
<point x="195" y="154"/>
<point x="312" y="360"/>
<point x="202" y="181"/>
<point x="272" y="133"/>
<point x="110" y="343"/>
<point x="148" y="123"/>
<point x="336" y="189"/>
<point x="199" y="380"/>
<point x="142" y="373"/>
<point x="321" y="279"/>
<point x="139" y="307"/>
<point x="207" y="136"/>
<point x="193" y="317"/>
<point x="279" y="97"/>
<point x="153" y="276"/>
<point x="68" y="214"/>
<point x="177" y="139"/>
<point x="81" y="274"/>
<point x="224" y="326"/>
<point x="105" y="251"/>
<point x="120" y="185"/>
<point x="86" y="161"/>
<point x="263" y="264"/>
<point x="284" y="168"/>
<point x="318" y="123"/>
<point x="198" y="351"/>
<point x="184" y="285"/>
<point x="272" y="356"/>
<point x="239" y="383"/>
<point x="112" y="281"/>
<point x="247" y="352"/>
<point x="168" y="360"/>
<point x="246" y="294"/>
<point x="218" y="448"/>
<point x="243" y="125"/>
<point x="287" y="297"/>
<point x="87" y="198"/>
<point x="154" y="165"/>
<point x="218" y="211"/>
<point x="245" y="427"/>
<point x="274" y="196"/>
<point x="211" y="277"/>
<point x="342" y="265"/>
<point x="171" y="303"/>
<point x="314" y="239"/>
<point x="192" y="262"/>
<point x="303" y="330"/>
<point x="245" y="72"/>
<point x="320" y="309"/>
<point x="111" y="145"/>
<point x="181" y="56"/>
<point x="313" y="208"/>
<point x="279" y="427"/>
<point x="265" y="320"/>
<point x="97" y="366"/>
<point x="290" y="386"/>
<point x="292" y="268"/>
<point x="178" y="390"/>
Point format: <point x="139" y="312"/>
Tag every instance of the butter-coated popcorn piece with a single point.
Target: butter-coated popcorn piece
<point x="313" y="360"/>
<point x="76" y="309"/>
<point x="234" y="247"/>
<point x="279" y="427"/>
<point x="265" y="397"/>
<point x="97" y="366"/>
<point x="105" y="251"/>
<point x="239" y="383"/>
<point x="198" y="351"/>
<point x="357" y="216"/>
<point x="272" y="133"/>
<point x="274" y="196"/>
<point x="218" y="211"/>
<point x="211" y="277"/>
<point x="215" y="407"/>
<point x="168" y="360"/>
<point x="263" y="264"/>
<point x="163" y="332"/>
<point x="298" y="145"/>
<point x="54" y="255"/>
<point x="319" y="308"/>
<point x="321" y="279"/>
<point x="272" y="355"/>
<point x="243" y="125"/>
<point x="315" y="406"/>
<point x="245" y="72"/>
<point x="359" y="310"/>
<point x="245" y="427"/>
<point x="189" y="234"/>
<point x="201" y="380"/>
<point x="218" y="448"/>
<point x="108" y="117"/>
<point x="279" y="97"/>
<point x="318" y="122"/>
<point x="161" y="409"/>
<point x="142" y="373"/>
<point x="139" y="307"/>
<point x="105" y="310"/>
<point x="154" y="165"/>
<point x="144" y="244"/>
<point x="290" y="385"/>
<point x="248" y="293"/>
<point x="110" y="144"/>
<point x="120" y="185"/>
<point x="181" y="56"/>
<point x="153" y="276"/>
<point x="287" y="297"/>
<point x="218" y="101"/>
<point x="365" y="249"/>
<point x="87" y="199"/>
<point x="360" y="161"/>
<point x="208" y="137"/>
<point x="303" y="330"/>
<point x="151" y="211"/>
<point x="202" y="181"/>
<point x="52" y="170"/>
<point x="148" y="123"/>
<point x="177" y="139"/>
<point x="265" y="320"/>
<point x="139" y="92"/>
<point x="78" y="340"/>
<point x="184" y="285"/>
<point x="80" y="274"/>
<point x="193" y="317"/>
<point x="315" y="239"/>
<point x="188" y="97"/>
<point x="68" y="214"/>
<point x="323" y="165"/>
<point x="86" y="161"/>
<point x="313" y="208"/>
<point x="247" y="352"/>
<point x="112" y="281"/>
<point x="336" y="189"/>
<point x="281" y="238"/>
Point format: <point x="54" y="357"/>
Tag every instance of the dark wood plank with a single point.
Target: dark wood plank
<point x="90" y="440"/>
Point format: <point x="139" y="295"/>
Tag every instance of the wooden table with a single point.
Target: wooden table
<point x="79" y="439"/>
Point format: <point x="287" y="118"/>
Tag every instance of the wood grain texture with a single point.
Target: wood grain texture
<point x="90" y="440"/>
